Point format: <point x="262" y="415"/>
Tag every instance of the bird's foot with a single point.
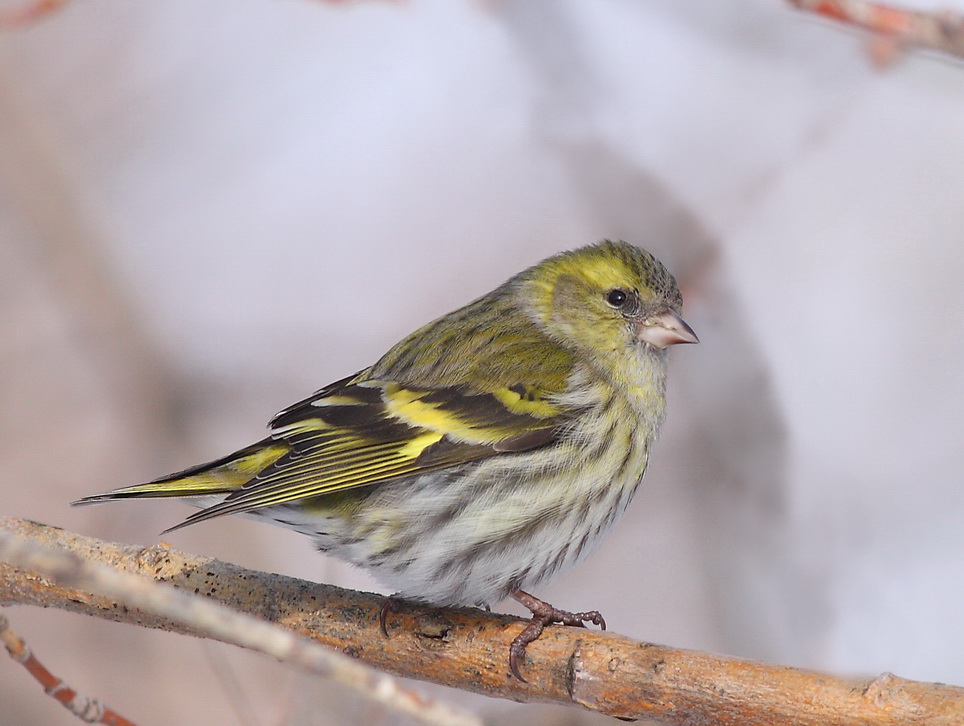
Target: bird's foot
<point x="544" y="614"/>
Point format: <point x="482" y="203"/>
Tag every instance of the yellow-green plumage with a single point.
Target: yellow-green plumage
<point x="484" y="452"/>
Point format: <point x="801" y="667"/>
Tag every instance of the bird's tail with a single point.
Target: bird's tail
<point x="222" y="476"/>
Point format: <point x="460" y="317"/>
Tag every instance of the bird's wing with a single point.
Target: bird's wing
<point x="360" y="431"/>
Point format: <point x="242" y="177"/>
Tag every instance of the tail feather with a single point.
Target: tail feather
<point x="221" y="476"/>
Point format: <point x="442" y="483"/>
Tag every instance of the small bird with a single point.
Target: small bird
<point x="481" y="455"/>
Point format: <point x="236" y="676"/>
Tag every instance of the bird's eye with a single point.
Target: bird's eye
<point x="617" y="298"/>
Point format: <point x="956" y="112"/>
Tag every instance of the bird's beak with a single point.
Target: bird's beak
<point x="665" y="329"/>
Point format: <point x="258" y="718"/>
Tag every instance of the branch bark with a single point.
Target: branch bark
<point x="467" y="649"/>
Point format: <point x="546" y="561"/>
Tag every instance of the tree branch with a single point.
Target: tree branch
<point x="468" y="649"/>
<point x="941" y="30"/>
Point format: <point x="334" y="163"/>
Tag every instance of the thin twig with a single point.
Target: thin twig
<point x="90" y="710"/>
<point x="941" y="31"/>
<point x="206" y="617"/>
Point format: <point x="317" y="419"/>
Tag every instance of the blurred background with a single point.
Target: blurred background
<point x="208" y="211"/>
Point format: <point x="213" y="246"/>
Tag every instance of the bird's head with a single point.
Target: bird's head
<point x="606" y="297"/>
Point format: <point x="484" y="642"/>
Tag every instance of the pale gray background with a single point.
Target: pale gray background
<point x="209" y="210"/>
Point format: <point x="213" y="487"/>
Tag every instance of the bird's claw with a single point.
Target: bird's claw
<point x="390" y="604"/>
<point x="544" y="614"/>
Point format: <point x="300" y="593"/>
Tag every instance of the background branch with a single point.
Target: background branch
<point x="67" y="570"/>
<point x="467" y="649"/>
<point x="941" y="30"/>
<point x="89" y="710"/>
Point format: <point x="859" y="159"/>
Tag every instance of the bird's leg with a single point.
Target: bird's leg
<point x="544" y="614"/>
<point x="390" y="604"/>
